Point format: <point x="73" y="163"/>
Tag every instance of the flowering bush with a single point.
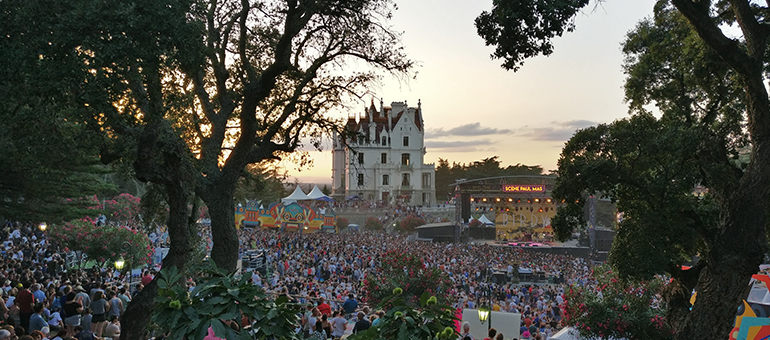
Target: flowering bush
<point x="103" y="243"/>
<point x="372" y="223"/>
<point x="342" y="223"/>
<point x="409" y="223"/>
<point x="429" y="320"/>
<point x="475" y="223"/>
<point x="407" y="271"/>
<point x="123" y="207"/>
<point x="616" y="308"/>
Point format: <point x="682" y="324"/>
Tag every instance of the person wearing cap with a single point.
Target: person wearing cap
<point x="25" y="301"/>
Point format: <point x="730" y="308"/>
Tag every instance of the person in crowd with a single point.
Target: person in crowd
<point x="99" y="308"/>
<point x="362" y="324"/>
<point x="113" y="328"/>
<point x="36" y="321"/>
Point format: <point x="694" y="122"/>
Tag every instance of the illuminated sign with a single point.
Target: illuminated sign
<point x="523" y="188"/>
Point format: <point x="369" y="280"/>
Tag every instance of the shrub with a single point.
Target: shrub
<point x="103" y="243"/>
<point x="407" y="271"/>
<point x="342" y="223"/>
<point x="372" y="223"/>
<point x="409" y="223"/>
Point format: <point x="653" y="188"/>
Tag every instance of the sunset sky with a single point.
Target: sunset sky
<point x="475" y="109"/>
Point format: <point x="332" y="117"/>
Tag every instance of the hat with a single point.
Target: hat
<point x="79" y="288"/>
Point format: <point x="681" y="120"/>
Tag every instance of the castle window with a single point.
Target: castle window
<point x="384" y="140"/>
<point x="404" y="159"/>
<point x="405" y="180"/>
<point x="360" y="180"/>
<point x="360" y="158"/>
<point x="383" y="158"/>
<point x="385" y="180"/>
<point x="406" y="140"/>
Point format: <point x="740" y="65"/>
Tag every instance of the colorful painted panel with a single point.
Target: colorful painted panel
<point x="286" y="217"/>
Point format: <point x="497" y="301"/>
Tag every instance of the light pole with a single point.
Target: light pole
<point x="43" y="226"/>
<point x="485" y="312"/>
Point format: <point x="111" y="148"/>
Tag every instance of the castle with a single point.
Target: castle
<point x="385" y="162"/>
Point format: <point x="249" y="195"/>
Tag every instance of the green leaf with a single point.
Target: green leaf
<point x="424" y="299"/>
<point x="220" y="329"/>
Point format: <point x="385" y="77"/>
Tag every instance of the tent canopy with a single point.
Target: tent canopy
<point x="316" y="194"/>
<point x="485" y="220"/>
<point x="297" y="195"/>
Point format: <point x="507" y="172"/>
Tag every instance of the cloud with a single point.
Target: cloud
<point x="459" y="146"/>
<point x="558" y="131"/>
<point x="470" y="129"/>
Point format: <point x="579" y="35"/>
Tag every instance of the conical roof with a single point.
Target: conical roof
<point x="297" y="195"/>
<point x="485" y="220"/>
<point x="316" y="193"/>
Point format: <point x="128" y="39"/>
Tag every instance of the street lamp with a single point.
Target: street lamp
<point x="119" y="263"/>
<point x="42" y="226"/>
<point x="484" y="314"/>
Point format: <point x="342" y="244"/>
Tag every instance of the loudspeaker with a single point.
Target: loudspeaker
<point x="465" y="206"/>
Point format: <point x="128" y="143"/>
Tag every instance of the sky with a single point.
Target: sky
<point x="474" y="109"/>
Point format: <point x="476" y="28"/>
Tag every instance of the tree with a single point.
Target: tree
<point x="262" y="182"/>
<point x="488" y="167"/>
<point x="103" y="243"/>
<point x="651" y="165"/>
<point x="342" y="223"/>
<point x="410" y="223"/>
<point x="617" y="309"/>
<point x="123" y="208"/>
<point x="409" y="273"/>
<point x="372" y="223"/>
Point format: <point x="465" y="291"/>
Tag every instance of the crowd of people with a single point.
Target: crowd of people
<point x="328" y="269"/>
<point x="42" y="298"/>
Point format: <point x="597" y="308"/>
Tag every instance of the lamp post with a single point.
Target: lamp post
<point x="119" y="263"/>
<point x="485" y="312"/>
<point x="43" y="226"/>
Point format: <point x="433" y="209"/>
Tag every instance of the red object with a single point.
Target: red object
<point x="24" y="299"/>
<point x="325" y="309"/>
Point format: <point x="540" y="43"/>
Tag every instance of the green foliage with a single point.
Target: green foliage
<point x="263" y="182"/>
<point x="124" y="208"/>
<point x="403" y="320"/>
<point x="103" y="243"/>
<point x="219" y="298"/>
<point x="408" y="272"/>
<point x="624" y="310"/>
<point x="372" y="223"/>
<point x="521" y="29"/>
<point x="447" y="175"/>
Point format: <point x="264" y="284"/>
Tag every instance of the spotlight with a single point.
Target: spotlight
<point x="537" y="200"/>
<point x="540" y="210"/>
<point x="497" y="199"/>
<point x="484" y="199"/>
<point x="473" y="199"/>
<point x="510" y="199"/>
<point x="548" y="200"/>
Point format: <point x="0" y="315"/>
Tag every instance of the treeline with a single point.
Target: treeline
<point x="447" y="175"/>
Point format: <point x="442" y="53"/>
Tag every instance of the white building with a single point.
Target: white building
<point x="385" y="162"/>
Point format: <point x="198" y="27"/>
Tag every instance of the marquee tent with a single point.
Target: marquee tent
<point x="485" y="220"/>
<point x="297" y="195"/>
<point x="317" y="194"/>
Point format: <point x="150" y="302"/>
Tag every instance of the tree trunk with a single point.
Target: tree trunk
<point x="139" y="312"/>
<point x="219" y="200"/>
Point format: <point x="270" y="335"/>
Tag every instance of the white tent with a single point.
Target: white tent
<point x="297" y="195"/>
<point x="485" y="220"/>
<point x="316" y="193"/>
